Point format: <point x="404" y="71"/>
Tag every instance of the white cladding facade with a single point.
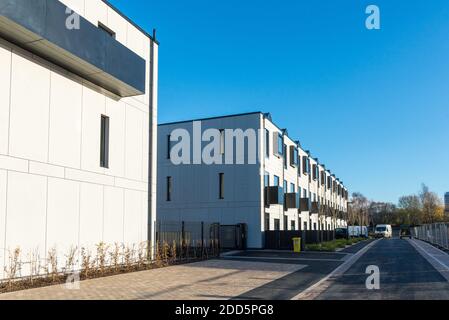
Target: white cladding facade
<point x="194" y="193"/>
<point x="54" y="192"/>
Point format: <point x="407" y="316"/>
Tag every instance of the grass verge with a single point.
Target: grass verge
<point x="332" y="246"/>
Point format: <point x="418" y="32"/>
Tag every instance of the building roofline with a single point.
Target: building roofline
<point x="210" y="118"/>
<point x="264" y="115"/>
<point x="108" y="3"/>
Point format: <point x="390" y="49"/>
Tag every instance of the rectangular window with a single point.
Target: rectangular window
<point x="280" y="145"/>
<point x="294" y="157"/>
<point x="168" y="146"/>
<point x="292" y="188"/>
<point x="221" y="186"/>
<point x="222" y="141"/>
<point x="305" y="226"/>
<point x="315" y="170"/>
<point x="299" y="191"/>
<point x="285" y="156"/>
<point x="277" y="224"/>
<point x="276" y="181"/>
<point x="267" y="221"/>
<point x="285" y="223"/>
<point x="305" y="163"/>
<point x="106" y="30"/>
<point x="169" y="188"/>
<point x="285" y="186"/>
<point x="266" y="179"/>
<point x="292" y="225"/>
<point x="267" y="143"/>
<point x="104" y="141"/>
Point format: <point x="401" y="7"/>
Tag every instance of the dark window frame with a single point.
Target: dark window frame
<point x="267" y="143"/>
<point x="107" y="30"/>
<point x="221" y="186"/>
<point x="169" y="146"/>
<point x="169" y="183"/>
<point x="104" y="141"/>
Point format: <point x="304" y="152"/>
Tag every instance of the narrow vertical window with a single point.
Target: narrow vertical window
<point x="285" y="156"/>
<point x="266" y="179"/>
<point x="221" y="186"/>
<point x="104" y="142"/>
<point x="168" y="146"/>
<point x="222" y="141"/>
<point x="267" y="143"/>
<point x="169" y="188"/>
<point x="267" y="221"/>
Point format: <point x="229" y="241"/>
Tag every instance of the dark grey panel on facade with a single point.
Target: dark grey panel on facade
<point x="40" y="26"/>
<point x="292" y="201"/>
<point x="304" y="205"/>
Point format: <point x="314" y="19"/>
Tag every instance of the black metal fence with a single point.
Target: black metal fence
<point x="313" y="236"/>
<point x="283" y="240"/>
<point x="233" y="237"/>
<point x="190" y="240"/>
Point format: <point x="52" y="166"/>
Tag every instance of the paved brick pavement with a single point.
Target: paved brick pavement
<point x="213" y="279"/>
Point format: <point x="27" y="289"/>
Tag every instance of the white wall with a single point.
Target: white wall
<point x="195" y="195"/>
<point x="53" y="192"/>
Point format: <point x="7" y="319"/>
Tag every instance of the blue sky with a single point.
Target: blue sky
<point x="372" y="105"/>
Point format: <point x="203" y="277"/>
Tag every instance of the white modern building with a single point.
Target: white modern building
<point x="78" y="127"/>
<point x="284" y="189"/>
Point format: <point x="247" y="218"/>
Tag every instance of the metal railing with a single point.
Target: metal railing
<point x="437" y="234"/>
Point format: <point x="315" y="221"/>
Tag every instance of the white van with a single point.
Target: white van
<point x="383" y="231"/>
<point x="358" y="231"/>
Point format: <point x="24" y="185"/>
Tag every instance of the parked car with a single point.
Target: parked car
<point x="405" y="232"/>
<point x="341" y="233"/>
<point x="383" y="231"/>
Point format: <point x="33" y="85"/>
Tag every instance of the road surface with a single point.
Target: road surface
<point x="405" y="274"/>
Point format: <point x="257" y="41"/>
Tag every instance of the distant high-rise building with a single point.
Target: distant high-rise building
<point x="446" y="202"/>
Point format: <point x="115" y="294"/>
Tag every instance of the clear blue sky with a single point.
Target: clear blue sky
<point x="372" y="105"/>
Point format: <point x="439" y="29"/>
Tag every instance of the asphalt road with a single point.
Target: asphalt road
<point x="316" y="266"/>
<point x="404" y="275"/>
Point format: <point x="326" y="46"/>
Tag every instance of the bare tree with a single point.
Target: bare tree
<point x="360" y="208"/>
<point x="430" y="205"/>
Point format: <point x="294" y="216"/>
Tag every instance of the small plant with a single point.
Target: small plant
<point x="35" y="265"/>
<point x="173" y="252"/>
<point x="70" y="260"/>
<point x="142" y="253"/>
<point x="102" y="250"/>
<point x="128" y="256"/>
<point x="86" y="262"/>
<point x="165" y="252"/>
<point x="52" y="261"/>
<point x="13" y="267"/>
<point x="115" y="257"/>
<point x="158" y="255"/>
